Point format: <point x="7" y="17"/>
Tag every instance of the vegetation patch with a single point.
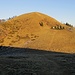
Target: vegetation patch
<point x="41" y="23"/>
<point x="1" y="40"/>
<point x="68" y="24"/>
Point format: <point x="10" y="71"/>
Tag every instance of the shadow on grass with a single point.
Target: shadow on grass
<point x="25" y="61"/>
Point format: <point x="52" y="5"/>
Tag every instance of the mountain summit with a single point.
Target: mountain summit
<point x="38" y="31"/>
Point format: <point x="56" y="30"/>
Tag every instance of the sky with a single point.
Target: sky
<point x="61" y="10"/>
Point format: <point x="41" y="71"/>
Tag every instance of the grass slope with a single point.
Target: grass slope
<point x="27" y="31"/>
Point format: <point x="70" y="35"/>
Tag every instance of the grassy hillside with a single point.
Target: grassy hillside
<point x="38" y="31"/>
<point x="55" y="40"/>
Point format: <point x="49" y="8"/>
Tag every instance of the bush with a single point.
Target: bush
<point x="2" y="40"/>
<point x="68" y="24"/>
<point x="41" y="23"/>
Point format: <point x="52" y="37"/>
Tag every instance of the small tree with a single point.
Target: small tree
<point x="68" y="24"/>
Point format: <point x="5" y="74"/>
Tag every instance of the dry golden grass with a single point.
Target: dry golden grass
<point x="26" y="31"/>
<point x="55" y="40"/>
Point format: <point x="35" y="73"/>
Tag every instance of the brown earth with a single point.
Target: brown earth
<point x="33" y="30"/>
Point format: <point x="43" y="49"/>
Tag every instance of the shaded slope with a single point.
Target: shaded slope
<point x="24" y="61"/>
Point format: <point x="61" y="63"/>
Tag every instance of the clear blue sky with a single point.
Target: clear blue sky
<point x="62" y="10"/>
